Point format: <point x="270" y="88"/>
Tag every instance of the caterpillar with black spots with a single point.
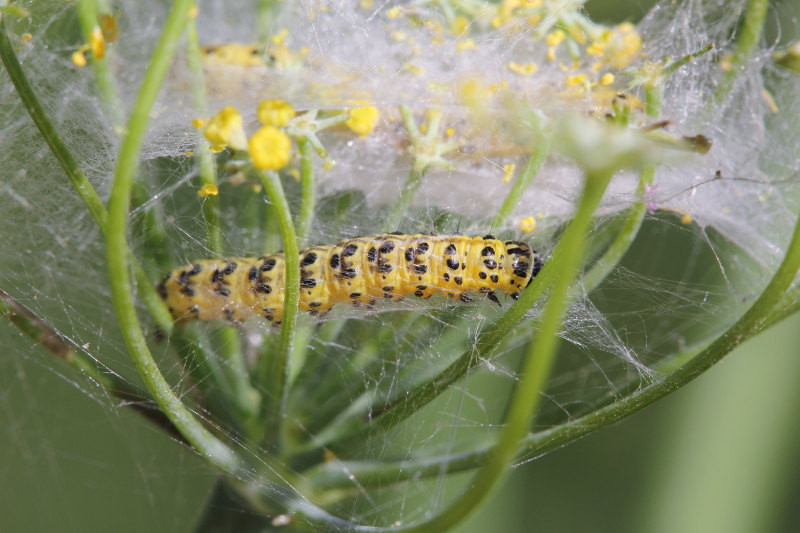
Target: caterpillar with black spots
<point x="359" y="271"/>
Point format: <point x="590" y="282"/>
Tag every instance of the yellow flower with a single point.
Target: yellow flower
<point x="270" y="148"/>
<point x="508" y="172"/>
<point x="527" y="224"/>
<point x="522" y="69"/>
<point x="275" y="112"/>
<point x="209" y="189"/>
<point x="363" y="119"/>
<point x="226" y="129"/>
<point x="97" y="43"/>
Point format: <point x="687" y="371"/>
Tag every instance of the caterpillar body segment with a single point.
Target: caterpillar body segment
<point x="359" y="271"/>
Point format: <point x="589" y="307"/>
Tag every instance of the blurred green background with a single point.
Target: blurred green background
<point x="720" y="455"/>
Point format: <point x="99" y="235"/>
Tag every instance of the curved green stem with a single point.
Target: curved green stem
<point x="535" y="161"/>
<point x="245" y="398"/>
<point x="26" y="93"/>
<point x="536" y="366"/>
<point x="398" y="409"/>
<point x="117" y="250"/>
<point x="274" y="366"/>
<point x="74" y="173"/>
<point x="764" y="312"/>
<point x="398" y="210"/>
<point x="747" y="40"/>
<point x="87" y="17"/>
<point x="307" y="183"/>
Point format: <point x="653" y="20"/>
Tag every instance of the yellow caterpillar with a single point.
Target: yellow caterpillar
<point x="359" y="271"/>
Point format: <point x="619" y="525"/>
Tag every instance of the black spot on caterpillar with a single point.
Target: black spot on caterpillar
<point x="358" y="271"/>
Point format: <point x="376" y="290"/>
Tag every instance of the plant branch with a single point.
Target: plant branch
<point x="274" y="367"/>
<point x="117" y="253"/>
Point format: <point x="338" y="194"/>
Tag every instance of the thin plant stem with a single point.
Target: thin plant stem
<point x="307" y="191"/>
<point x="28" y="96"/>
<point x="88" y="12"/>
<point x="58" y="345"/>
<point x="214" y="450"/>
<point x="536" y="366"/>
<point x="207" y="171"/>
<point x="274" y="366"/>
<point x="754" y="16"/>
<point x="759" y="316"/>
<point x="75" y="174"/>
<point x="415" y="177"/>
<point x="398" y="409"/>
<point x="398" y="210"/>
<point x="245" y="397"/>
<point x="538" y="156"/>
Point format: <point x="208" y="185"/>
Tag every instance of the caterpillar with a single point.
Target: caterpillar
<point x="359" y="271"/>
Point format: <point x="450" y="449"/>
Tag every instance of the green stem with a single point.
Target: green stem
<point x="207" y="171"/>
<point x="624" y="239"/>
<point x="760" y="315"/>
<point x="117" y="250"/>
<point x="415" y="177"/>
<point x="52" y="341"/>
<point x="747" y="40"/>
<point x="536" y="366"/>
<point x="26" y="93"/>
<point x="398" y="210"/>
<point x="275" y="365"/>
<point x="74" y="172"/>
<point x="307" y="183"/>
<point x="398" y="409"/>
<point x="539" y="154"/>
<point x="244" y="396"/>
<point x="88" y="12"/>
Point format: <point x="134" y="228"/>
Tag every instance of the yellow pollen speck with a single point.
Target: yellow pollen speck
<point x="26" y="37"/>
<point x="527" y="224"/>
<point x="394" y="12"/>
<point x="199" y="123"/>
<point x="534" y="20"/>
<point x="686" y="219"/>
<point x="270" y="148"/>
<point x="78" y="57"/>
<point x="551" y="53"/>
<point x="416" y="70"/>
<point x="293" y="172"/>
<point x="189" y="154"/>
<point x="508" y="172"/>
<point x="209" y="189"/>
<point x="366" y="4"/>
<point x="97" y="43"/>
<point x="459" y="25"/>
<point x="226" y="129"/>
<point x="523" y="70"/>
<point x="423" y="128"/>
<point x="328" y="164"/>
<point x="449" y="131"/>
<point x="363" y="120"/>
<point x="554" y="38"/>
<point x="275" y="112"/>
<point x="399" y="36"/>
<point x="577" y="79"/>
<point x="607" y="79"/>
<point x="280" y="37"/>
<point x="595" y="49"/>
<point x="465" y="44"/>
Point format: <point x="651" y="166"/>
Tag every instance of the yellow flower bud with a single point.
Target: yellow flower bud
<point x="270" y="148"/>
<point x="275" y="112"/>
<point x="363" y="119"/>
<point x="226" y="128"/>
